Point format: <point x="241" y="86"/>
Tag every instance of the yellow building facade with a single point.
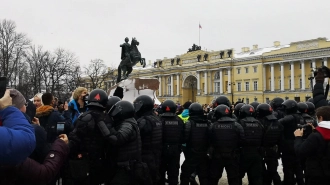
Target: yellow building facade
<point x="255" y="74"/>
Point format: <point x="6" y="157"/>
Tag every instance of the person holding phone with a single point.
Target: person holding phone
<point x="16" y="134"/>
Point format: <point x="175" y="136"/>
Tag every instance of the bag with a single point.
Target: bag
<point x="79" y="169"/>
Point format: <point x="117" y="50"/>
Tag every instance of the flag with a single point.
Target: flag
<point x="200" y="26"/>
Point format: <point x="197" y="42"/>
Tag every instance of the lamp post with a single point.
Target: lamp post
<point x="231" y="84"/>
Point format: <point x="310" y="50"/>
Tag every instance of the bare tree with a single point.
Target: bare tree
<point x="73" y="78"/>
<point x="97" y="72"/>
<point x="12" y="46"/>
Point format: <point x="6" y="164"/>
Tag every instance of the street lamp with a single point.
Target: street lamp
<point x="231" y="84"/>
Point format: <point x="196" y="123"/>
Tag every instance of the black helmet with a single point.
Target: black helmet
<point x="290" y="106"/>
<point x="311" y="108"/>
<point x="195" y="109"/>
<point x="246" y="111"/>
<point x="98" y="97"/>
<point x="169" y="106"/>
<point x="276" y="103"/>
<point x="122" y="110"/>
<point x="255" y="105"/>
<point x="111" y="102"/>
<point x="143" y="103"/>
<point x="310" y="100"/>
<point x="237" y="108"/>
<point x="222" y="100"/>
<point x="302" y="107"/>
<point x="264" y="110"/>
<point x="222" y="111"/>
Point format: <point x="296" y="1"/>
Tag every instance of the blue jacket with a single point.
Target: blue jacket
<point x="74" y="111"/>
<point x="17" y="139"/>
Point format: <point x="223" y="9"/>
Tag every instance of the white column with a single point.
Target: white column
<point x="314" y="68"/>
<point x="264" y="76"/>
<point x="172" y="84"/>
<point x="160" y="86"/>
<point x="205" y="82"/>
<point x="282" y="76"/>
<point x="177" y="84"/>
<point x="221" y="84"/>
<point x="198" y="83"/>
<point x="229" y="80"/>
<point x="292" y="75"/>
<point x="272" y="88"/>
<point x="303" y="78"/>
<point x="325" y="61"/>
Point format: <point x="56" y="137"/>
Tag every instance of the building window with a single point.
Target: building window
<point x="169" y="80"/>
<point x="290" y="84"/>
<point x="169" y="90"/>
<point x="238" y="71"/>
<point x="246" y="70"/>
<point x="217" y="75"/>
<point x="226" y="72"/>
<point x="289" y="66"/>
<point x="247" y="86"/>
<point x="300" y="66"/>
<point x="280" y="83"/>
<point x="311" y="65"/>
<point x="217" y="87"/>
<point x="239" y="86"/>
<point x="254" y="69"/>
<point x="255" y="85"/>
<point x="270" y="84"/>
<point x="247" y="101"/>
<point x="300" y="83"/>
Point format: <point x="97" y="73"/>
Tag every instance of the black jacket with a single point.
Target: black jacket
<point x="319" y="99"/>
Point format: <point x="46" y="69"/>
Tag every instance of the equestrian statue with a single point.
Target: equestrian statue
<point x="130" y="56"/>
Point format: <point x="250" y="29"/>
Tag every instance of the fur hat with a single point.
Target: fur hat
<point x="17" y="98"/>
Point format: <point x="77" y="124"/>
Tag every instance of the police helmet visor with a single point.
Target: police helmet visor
<point x="138" y="105"/>
<point x="115" y="110"/>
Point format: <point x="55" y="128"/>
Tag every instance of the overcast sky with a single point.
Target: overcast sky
<point x="95" y="28"/>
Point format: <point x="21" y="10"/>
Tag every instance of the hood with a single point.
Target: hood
<point x="44" y="110"/>
<point x="185" y="113"/>
<point x="324" y="129"/>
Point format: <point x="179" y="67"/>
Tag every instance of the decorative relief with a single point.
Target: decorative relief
<point x="186" y="74"/>
<point x="307" y="55"/>
<point x="308" y="45"/>
<point x="189" y="61"/>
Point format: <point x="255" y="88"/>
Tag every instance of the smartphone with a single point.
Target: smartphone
<point x="3" y="86"/>
<point x="60" y="127"/>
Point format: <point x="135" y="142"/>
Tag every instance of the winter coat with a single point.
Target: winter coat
<point x="319" y="99"/>
<point x="74" y="110"/>
<point x="32" y="172"/>
<point x="16" y="135"/>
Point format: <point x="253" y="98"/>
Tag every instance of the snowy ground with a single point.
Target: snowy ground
<point x="224" y="181"/>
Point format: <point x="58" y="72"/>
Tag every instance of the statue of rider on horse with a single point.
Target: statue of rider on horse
<point x="130" y="56"/>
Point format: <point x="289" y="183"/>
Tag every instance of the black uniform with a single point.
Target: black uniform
<point x="226" y="136"/>
<point x="197" y="140"/>
<point x="291" y="163"/>
<point x="272" y="140"/>
<point x="87" y="140"/>
<point x="251" y="159"/>
<point x="172" y="140"/>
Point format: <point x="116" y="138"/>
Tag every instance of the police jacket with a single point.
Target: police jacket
<point x="173" y="129"/>
<point x="253" y="131"/>
<point x="226" y="135"/>
<point x="86" y="137"/>
<point x="279" y="114"/>
<point x="273" y="131"/>
<point x="313" y="149"/>
<point x="196" y="133"/>
<point x="290" y="123"/>
<point x="151" y="131"/>
<point x="125" y="137"/>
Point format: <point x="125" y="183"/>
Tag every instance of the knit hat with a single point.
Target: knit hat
<point x="186" y="105"/>
<point x="17" y="98"/>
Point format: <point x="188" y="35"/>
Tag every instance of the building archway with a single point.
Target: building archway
<point x="189" y="88"/>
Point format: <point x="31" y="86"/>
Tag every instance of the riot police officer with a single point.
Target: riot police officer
<point x="111" y="102"/>
<point x="311" y="110"/>
<point x="226" y="137"/>
<point x="255" y="105"/>
<point x="309" y="120"/>
<point x="151" y="134"/>
<point x="126" y="140"/>
<point x="196" y="137"/>
<point x="276" y="105"/>
<point x="172" y="140"/>
<point x="86" y="139"/>
<point x="237" y="108"/>
<point x="291" y="164"/>
<point x="221" y="100"/>
<point x="272" y="140"/>
<point x="251" y="159"/>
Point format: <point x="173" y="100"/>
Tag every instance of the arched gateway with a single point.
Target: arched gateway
<point x="189" y="88"/>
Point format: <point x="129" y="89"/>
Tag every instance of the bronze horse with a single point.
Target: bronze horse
<point x="126" y="65"/>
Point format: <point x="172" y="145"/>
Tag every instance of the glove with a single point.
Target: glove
<point x="319" y="78"/>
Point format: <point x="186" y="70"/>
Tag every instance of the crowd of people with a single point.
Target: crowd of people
<point x="96" y="140"/>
